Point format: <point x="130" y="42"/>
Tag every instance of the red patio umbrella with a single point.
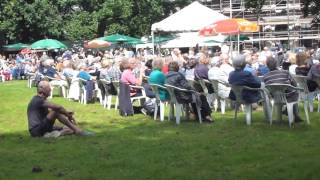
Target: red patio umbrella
<point x="229" y="27"/>
<point x="96" y="43"/>
<point x="25" y="51"/>
<point x="233" y="26"/>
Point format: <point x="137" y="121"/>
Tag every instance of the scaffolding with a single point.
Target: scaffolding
<point x="281" y="21"/>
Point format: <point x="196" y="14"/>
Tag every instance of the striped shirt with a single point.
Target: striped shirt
<point x="279" y="76"/>
<point x="282" y="77"/>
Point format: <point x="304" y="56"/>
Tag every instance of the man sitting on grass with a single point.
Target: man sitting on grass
<point x="42" y="115"/>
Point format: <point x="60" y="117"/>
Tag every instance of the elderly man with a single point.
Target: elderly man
<point x="282" y="76"/>
<point x="244" y="78"/>
<point x="42" y="115"/>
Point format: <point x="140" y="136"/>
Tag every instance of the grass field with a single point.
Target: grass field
<point x="140" y="148"/>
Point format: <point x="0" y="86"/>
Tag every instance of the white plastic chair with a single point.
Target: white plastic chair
<point x="106" y="100"/>
<point x="30" y="79"/>
<point x="215" y="84"/>
<point x="141" y="98"/>
<point x="116" y="84"/>
<point x="178" y="107"/>
<point x="237" y="90"/>
<point x="306" y="96"/>
<point x="278" y="93"/>
<point x="60" y="84"/>
<point x="83" y="91"/>
<point x="159" y="103"/>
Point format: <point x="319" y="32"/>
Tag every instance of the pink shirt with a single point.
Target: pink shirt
<point x="128" y="77"/>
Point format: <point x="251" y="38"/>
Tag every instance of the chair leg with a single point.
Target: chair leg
<point x="171" y="111"/>
<point x="223" y="106"/>
<point x="104" y="101"/>
<point x="306" y="111"/>
<point x="248" y="110"/>
<point x="117" y="103"/>
<point x="290" y="113"/>
<point x="310" y="101"/>
<point x="64" y="91"/>
<point x="185" y="111"/>
<point x="199" y="114"/>
<point x="215" y="103"/>
<point x="85" y="97"/>
<point x="271" y="113"/>
<point x="278" y="111"/>
<point x="161" y="111"/>
<point x="51" y="93"/>
<point x="109" y="100"/>
<point x="155" y="111"/>
<point x="178" y="112"/>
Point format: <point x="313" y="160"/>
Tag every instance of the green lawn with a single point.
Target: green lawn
<point x="140" y="148"/>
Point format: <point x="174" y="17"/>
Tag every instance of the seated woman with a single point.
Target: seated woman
<point x="158" y="77"/>
<point x="201" y="72"/>
<point x="177" y="79"/>
<point x="220" y="71"/>
<point x="128" y="76"/>
<point x="303" y="70"/>
<point x="244" y="78"/>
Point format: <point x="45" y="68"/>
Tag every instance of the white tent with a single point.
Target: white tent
<point x="191" y="39"/>
<point x="191" y="18"/>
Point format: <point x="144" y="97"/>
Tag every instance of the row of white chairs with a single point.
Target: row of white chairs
<point x="273" y="97"/>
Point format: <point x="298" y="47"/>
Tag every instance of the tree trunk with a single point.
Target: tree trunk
<point x="102" y="26"/>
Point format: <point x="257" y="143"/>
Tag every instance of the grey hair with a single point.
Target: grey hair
<point x="157" y="63"/>
<point x="271" y="63"/>
<point x="239" y="62"/>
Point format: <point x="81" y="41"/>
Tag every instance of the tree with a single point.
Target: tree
<point x="255" y="5"/>
<point x="30" y="20"/>
<point x="26" y="21"/>
<point x="312" y="7"/>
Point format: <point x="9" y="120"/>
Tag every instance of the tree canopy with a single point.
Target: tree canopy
<point x="30" y="20"/>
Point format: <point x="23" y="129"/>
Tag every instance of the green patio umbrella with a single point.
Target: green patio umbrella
<point x="15" y="47"/>
<point x="48" y="44"/>
<point x="115" y="38"/>
<point x="235" y="38"/>
<point x="212" y="41"/>
<point x="161" y="39"/>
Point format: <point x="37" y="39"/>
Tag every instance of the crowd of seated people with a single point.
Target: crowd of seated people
<point x="247" y="69"/>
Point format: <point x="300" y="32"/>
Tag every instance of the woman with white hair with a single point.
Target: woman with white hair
<point x="158" y="77"/>
<point x="244" y="78"/>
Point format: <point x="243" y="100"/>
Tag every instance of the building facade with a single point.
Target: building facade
<point x="281" y="22"/>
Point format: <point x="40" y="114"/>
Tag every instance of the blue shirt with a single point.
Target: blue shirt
<point x="84" y="75"/>
<point x="157" y="77"/>
<point x="250" y="69"/>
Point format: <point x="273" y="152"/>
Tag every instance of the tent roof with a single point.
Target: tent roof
<point x="191" y="39"/>
<point x="191" y="18"/>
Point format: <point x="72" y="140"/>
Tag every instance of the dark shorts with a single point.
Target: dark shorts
<point x="41" y="129"/>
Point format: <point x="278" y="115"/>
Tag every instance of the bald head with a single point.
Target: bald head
<point x="44" y="88"/>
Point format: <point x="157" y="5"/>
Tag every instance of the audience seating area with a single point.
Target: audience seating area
<point x="273" y="98"/>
